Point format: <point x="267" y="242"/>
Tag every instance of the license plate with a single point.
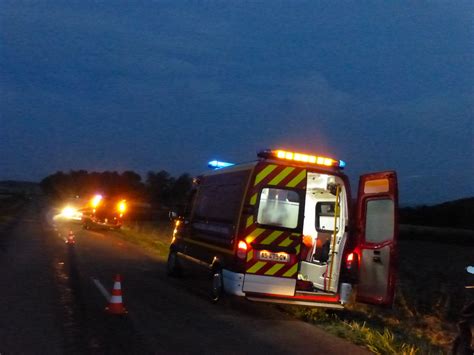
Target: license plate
<point x="279" y="257"/>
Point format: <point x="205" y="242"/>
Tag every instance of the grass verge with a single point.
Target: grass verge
<point x="154" y="237"/>
<point x="371" y="332"/>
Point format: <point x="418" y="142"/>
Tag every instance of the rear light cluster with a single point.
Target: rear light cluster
<point x="242" y="250"/>
<point x="352" y="261"/>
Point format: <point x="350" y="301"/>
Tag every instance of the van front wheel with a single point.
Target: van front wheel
<point x="217" y="286"/>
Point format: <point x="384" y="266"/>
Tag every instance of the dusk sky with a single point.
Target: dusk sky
<point x="152" y="85"/>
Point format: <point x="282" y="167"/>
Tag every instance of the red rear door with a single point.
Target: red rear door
<point x="377" y="206"/>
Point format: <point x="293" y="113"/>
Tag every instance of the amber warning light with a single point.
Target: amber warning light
<point x="300" y="157"/>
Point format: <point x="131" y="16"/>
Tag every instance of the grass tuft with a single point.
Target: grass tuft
<point x="370" y="332"/>
<point x="153" y="237"/>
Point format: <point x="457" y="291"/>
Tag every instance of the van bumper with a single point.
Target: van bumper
<point x="233" y="282"/>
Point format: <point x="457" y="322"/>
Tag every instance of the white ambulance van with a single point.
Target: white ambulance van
<point x="284" y="229"/>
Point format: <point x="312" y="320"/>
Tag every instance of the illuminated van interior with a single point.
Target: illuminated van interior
<point x="323" y="232"/>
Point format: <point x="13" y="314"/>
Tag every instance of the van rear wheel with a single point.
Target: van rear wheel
<point x="217" y="286"/>
<point x="172" y="265"/>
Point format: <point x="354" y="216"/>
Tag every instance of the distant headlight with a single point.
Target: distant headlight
<point x="122" y="206"/>
<point x="68" y="212"/>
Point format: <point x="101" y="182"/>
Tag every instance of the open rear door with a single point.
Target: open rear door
<point x="377" y="206"/>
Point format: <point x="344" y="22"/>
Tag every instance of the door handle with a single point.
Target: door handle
<point x="376" y="258"/>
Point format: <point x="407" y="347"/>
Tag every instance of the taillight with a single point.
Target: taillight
<point x="242" y="249"/>
<point x="351" y="260"/>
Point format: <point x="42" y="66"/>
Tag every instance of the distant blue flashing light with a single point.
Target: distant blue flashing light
<point x="215" y="164"/>
<point x="342" y="164"/>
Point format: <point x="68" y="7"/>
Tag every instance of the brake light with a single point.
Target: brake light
<point x="351" y="260"/>
<point x="242" y="250"/>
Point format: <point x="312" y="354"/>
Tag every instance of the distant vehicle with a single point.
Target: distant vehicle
<point x="71" y="213"/>
<point x="283" y="229"/>
<point x="103" y="212"/>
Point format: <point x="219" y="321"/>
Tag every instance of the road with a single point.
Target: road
<point x="51" y="304"/>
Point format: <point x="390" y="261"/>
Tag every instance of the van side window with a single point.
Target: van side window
<point x="219" y="197"/>
<point x="379" y="223"/>
<point x="278" y="207"/>
<point x="218" y="202"/>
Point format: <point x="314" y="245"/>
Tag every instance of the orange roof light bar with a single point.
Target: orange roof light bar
<point x="299" y="157"/>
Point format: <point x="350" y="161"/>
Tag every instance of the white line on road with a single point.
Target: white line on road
<point x="102" y="289"/>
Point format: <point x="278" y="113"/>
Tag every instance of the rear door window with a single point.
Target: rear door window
<point x="279" y="207"/>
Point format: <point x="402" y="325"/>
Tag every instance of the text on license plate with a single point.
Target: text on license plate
<point x="268" y="255"/>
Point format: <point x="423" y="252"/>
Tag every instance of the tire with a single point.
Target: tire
<point x="172" y="265"/>
<point x="217" y="286"/>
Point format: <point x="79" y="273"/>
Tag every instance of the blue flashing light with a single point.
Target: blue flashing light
<point x="342" y="164"/>
<point x="215" y="164"/>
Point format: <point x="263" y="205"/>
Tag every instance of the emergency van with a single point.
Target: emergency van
<point x="103" y="212"/>
<point x="284" y="229"/>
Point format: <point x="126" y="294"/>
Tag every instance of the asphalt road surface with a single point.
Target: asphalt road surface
<point x="51" y="301"/>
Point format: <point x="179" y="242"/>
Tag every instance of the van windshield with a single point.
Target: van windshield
<point x="279" y="207"/>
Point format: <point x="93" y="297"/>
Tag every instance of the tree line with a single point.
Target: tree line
<point x="454" y="214"/>
<point x="160" y="189"/>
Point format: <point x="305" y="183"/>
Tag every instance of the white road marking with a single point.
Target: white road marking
<point x="102" y="289"/>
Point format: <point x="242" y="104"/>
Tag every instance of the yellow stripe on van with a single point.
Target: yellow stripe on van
<point x="300" y="177"/>
<point x="249" y="222"/>
<point x="298" y="247"/>
<point x="264" y="173"/>
<point x="274" y="269"/>
<point x="251" y="237"/>
<point x="277" y="179"/>
<point x="250" y="255"/>
<point x="256" y="267"/>
<point x="253" y="199"/>
<point x="292" y="271"/>
<point x="286" y="242"/>
<point x="271" y="237"/>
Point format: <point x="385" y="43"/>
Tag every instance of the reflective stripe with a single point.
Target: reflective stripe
<point x="249" y="222"/>
<point x="297" y="179"/>
<point x="274" y="269"/>
<point x="277" y="179"/>
<point x="210" y="246"/>
<point x="264" y="173"/>
<point x="253" y="199"/>
<point x="250" y="255"/>
<point x="251" y="237"/>
<point x="116" y="299"/>
<point x="292" y="271"/>
<point x="256" y="267"/>
<point x="271" y="237"/>
<point x="298" y="247"/>
<point x="286" y="242"/>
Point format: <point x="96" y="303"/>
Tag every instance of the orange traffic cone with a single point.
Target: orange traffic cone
<point x="115" y="304"/>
